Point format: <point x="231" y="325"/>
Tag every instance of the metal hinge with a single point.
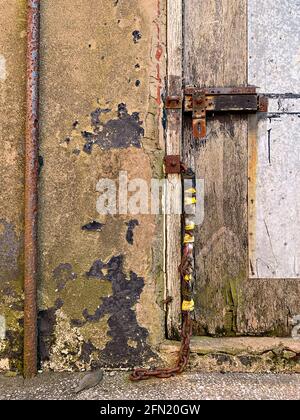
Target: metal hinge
<point x="201" y="101"/>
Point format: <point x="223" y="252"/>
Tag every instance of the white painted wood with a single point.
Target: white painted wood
<point x="274" y="45"/>
<point x="274" y="153"/>
<point x="283" y="105"/>
<point x="276" y="228"/>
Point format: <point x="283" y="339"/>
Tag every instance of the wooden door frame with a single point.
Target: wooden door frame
<point x="173" y="147"/>
<point x="256" y="290"/>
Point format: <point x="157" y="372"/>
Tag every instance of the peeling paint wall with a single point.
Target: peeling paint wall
<point x="12" y="98"/>
<point x="101" y="277"/>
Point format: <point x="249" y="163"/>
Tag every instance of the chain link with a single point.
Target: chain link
<point x="186" y="268"/>
<point x="184" y="354"/>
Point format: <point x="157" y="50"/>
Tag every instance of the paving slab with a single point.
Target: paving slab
<point x="188" y="386"/>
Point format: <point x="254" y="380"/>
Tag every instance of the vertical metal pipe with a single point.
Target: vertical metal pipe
<point x="31" y="196"/>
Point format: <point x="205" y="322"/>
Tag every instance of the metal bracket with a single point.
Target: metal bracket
<point x="172" y="164"/>
<point x="174" y="102"/>
<point x="209" y="100"/>
<point x="199" y="113"/>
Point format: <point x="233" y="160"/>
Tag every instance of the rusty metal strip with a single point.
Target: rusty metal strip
<point x="224" y="103"/>
<point x="31" y="195"/>
<point x="201" y="101"/>
<point x="238" y="90"/>
<point x="199" y="105"/>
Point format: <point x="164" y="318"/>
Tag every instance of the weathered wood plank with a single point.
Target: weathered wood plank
<point x="173" y="147"/>
<point x="267" y="307"/>
<point x="227" y="301"/>
<point x="216" y="55"/>
<point x="215" y="50"/>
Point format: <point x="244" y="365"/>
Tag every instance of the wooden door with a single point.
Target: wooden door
<point x="247" y="250"/>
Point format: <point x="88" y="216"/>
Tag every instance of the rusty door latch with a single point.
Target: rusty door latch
<point x="216" y="100"/>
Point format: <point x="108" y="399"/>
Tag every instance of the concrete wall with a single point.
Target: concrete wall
<point x="102" y="76"/>
<point x="12" y="105"/>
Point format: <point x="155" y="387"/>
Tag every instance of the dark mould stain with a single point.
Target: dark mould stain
<point x="123" y="132"/>
<point x="13" y="350"/>
<point x="164" y="119"/>
<point x="86" y="351"/>
<point x="40" y="163"/>
<point x="46" y="339"/>
<point x="87" y="148"/>
<point x="96" y="270"/>
<point x="128" y="345"/>
<point x="8" y="291"/>
<point x="76" y="152"/>
<point x="136" y="36"/>
<point x="137" y="66"/>
<point x="222" y="358"/>
<point x="67" y="140"/>
<point x="137" y="83"/>
<point x="132" y="224"/>
<point x="62" y="275"/>
<point x="93" y="226"/>
<point x="247" y="360"/>
<point x="95" y="116"/>
<point x="75" y="124"/>
<point x="46" y="326"/>
<point x="9" y="252"/>
<point x="17" y="306"/>
<point x="251" y="267"/>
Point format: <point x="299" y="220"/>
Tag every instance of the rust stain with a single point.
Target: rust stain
<point x="31" y="179"/>
<point x="158" y="52"/>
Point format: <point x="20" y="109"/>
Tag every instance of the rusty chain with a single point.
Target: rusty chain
<point x="186" y="269"/>
<point x="184" y="354"/>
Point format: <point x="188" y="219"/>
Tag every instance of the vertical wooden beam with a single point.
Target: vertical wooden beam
<point x="173" y="147"/>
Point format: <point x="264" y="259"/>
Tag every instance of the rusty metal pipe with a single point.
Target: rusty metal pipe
<point x="31" y="194"/>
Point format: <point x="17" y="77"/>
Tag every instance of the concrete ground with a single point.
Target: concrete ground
<point x="189" y="386"/>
